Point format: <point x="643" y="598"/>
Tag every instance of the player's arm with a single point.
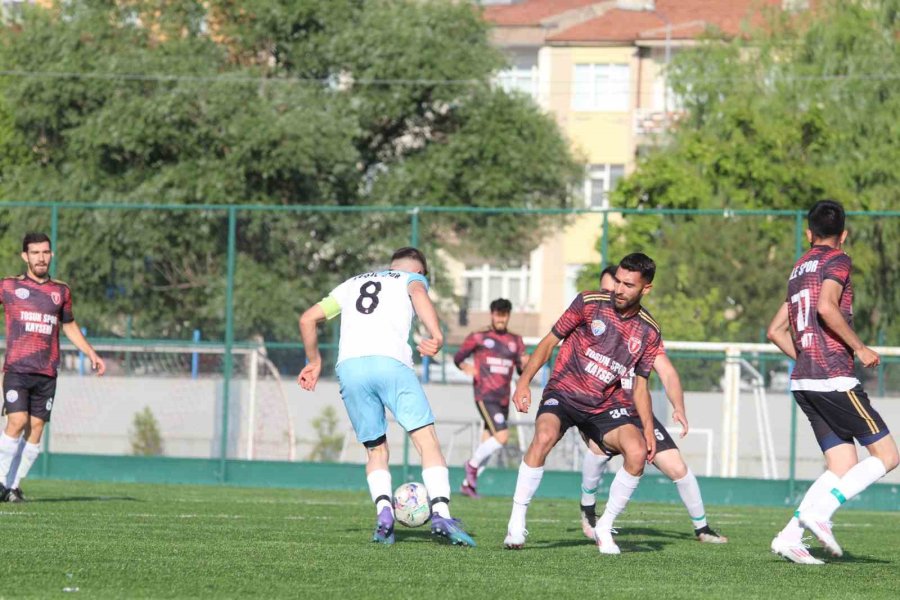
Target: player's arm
<point x="543" y="352"/>
<point x="644" y="407"/>
<point x="779" y="332"/>
<point x="464" y="352"/>
<point x="73" y="332"/>
<point x="427" y="314"/>
<point x="309" y="322"/>
<point x="830" y="311"/>
<point x="671" y="382"/>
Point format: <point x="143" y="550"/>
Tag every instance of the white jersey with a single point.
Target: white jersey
<point x="376" y="315"/>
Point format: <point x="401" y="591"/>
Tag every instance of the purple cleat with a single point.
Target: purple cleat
<point x="468" y="487"/>
<point x="450" y="528"/>
<point x="384" y="527"/>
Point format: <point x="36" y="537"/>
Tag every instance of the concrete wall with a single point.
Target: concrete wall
<point x="95" y="416"/>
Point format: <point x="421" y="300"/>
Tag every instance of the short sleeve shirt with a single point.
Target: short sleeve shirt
<point x="496" y="354"/>
<point x="34" y="312"/>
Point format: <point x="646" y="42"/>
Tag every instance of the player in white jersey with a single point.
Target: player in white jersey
<point x="375" y="372"/>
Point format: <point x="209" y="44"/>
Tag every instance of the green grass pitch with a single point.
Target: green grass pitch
<point x="153" y="541"/>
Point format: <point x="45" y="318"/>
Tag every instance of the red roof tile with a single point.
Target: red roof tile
<point x="531" y="12"/>
<point x="626" y="25"/>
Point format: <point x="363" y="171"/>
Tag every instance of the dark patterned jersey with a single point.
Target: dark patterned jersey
<point x="495" y="355"/>
<point x="600" y="347"/>
<point x="34" y="312"/>
<point x="824" y="361"/>
<point x="628" y="380"/>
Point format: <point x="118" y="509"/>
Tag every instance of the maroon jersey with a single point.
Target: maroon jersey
<point x="495" y="356"/>
<point x="34" y="311"/>
<point x="824" y="361"/>
<point x="600" y="348"/>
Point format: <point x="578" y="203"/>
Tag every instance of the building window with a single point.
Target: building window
<point x="599" y="182"/>
<point x="485" y="284"/>
<point x="570" y="284"/>
<point x="523" y="80"/>
<point x="602" y="88"/>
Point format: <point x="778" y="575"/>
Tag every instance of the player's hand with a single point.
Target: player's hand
<point x="679" y="418"/>
<point x="468" y="369"/>
<point x="522" y="398"/>
<point x="429" y="347"/>
<point x="98" y="365"/>
<point x="650" y="438"/>
<point x="868" y="357"/>
<point x="309" y="376"/>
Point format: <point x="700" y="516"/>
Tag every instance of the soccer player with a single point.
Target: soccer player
<point x="604" y="337"/>
<point x="375" y="371"/>
<point x="668" y="457"/>
<point x="496" y="351"/>
<point x="814" y="327"/>
<point x="36" y="308"/>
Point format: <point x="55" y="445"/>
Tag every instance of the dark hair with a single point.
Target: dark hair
<point x="826" y="219"/>
<point x="34" y="237"/>
<point x="410" y="252"/>
<point x="610" y="270"/>
<point x="501" y="305"/>
<point x="641" y="263"/>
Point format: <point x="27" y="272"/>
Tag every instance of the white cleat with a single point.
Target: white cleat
<point x="588" y="522"/>
<point x="515" y="540"/>
<point x="821" y="528"/>
<point x="605" y="542"/>
<point x="797" y="552"/>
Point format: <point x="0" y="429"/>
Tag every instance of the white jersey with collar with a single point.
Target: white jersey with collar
<point x="376" y="315"/>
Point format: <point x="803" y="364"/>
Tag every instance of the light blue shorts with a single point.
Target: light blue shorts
<point x="370" y="384"/>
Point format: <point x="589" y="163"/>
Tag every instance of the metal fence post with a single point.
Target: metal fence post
<point x="792" y="467"/>
<point x="228" y="364"/>
<point x="604" y="242"/>
<point x="54" y="235"/>
<point x="414" y="242"/>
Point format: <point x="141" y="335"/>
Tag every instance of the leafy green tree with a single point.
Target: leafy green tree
<point x="276" y="102"/>
<point x="145" y="437"/>
<point x="805" y="108"/>
<point x="329" y="440"/>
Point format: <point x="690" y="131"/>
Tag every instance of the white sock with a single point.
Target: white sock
<point x="380" y="489"/>
<point x="29" y="455"/>
<point x="591" y="471"/>
<point x="483" y="452"/>
<point x="527" y="483"/>
<point x="861" y="476"/>
<point x="11" y="480"/>
<point x="620" y="492"/>
<point x="8" y="448"/>
<point x="689" y="490"/>
<point x="826" y="481"/>
<point x="437" y="482"/>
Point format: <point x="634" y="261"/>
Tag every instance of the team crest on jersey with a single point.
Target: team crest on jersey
<point x="489" y="343"/>
<point x="12" y="396"/>
<point x="511" y="346"/>
<point x="634" y="345"/>
<point x="55" y="297"/>
<point x="22" y="293"/>
<point x="598" y="327"/>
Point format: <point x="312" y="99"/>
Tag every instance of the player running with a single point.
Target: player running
<point x="814" y="327"/>
<point x="668" y="457"/>
<point x="36" y="308"/>
<point x="496" y="351"/>
<point x="604" y="336"/>
<point x="375" y="372"/>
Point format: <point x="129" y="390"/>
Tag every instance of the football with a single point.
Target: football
<point x="411" y="506"/>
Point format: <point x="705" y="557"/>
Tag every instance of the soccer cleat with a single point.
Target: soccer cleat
<point x="467" y="490"/>
<point x="605" y="542"/>
<point x="515" y="540"/>
<point x="451" y="529"/>
<point x="469" y="485"/>
<point x="707" y="535"/>
<point x="794" y="551"/>
<point x="384" y="527"/>
<point x="821" y="528"/>
<point x="15" y="495"/>
<point x="588" y="520"/>
<point x="4" y="493"/>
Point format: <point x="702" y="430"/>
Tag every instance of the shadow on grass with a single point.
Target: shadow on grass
<point x="84" y="499"/>
<point x="862" y="560"/>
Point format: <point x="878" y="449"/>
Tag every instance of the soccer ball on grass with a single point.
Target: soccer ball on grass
<point x="411" y="506"/>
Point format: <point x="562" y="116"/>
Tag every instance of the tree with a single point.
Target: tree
<point x="275" y="102"/>
<point x="803" y="109"/>
<point x="329" y="441"/>
<point x="145" y="437"/>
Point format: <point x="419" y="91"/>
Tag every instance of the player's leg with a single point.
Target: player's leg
<point x="629" y="441"/>
<point x="552" y="420"/>
<point x="15" y="406"/>
<point x="40" y="405"/>
<point x="671" y="463"/>
<point x="592" y="467"/>
<point x="495" y="436"/>
<point x="850" y="415"/>
<point x="366" y="414"/>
